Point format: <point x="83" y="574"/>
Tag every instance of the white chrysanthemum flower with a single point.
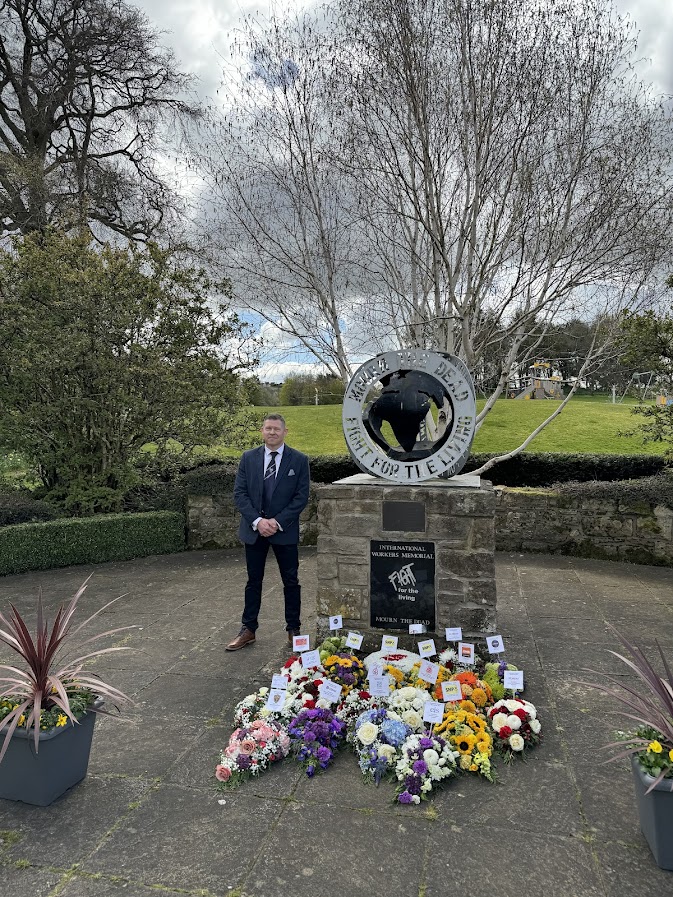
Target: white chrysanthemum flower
<point x="514" y="722"/>
<point x="535" y="726"/>
<point x="516" y="742"/>
<point x="436" y="772"/>
<point x="431" y="757"/>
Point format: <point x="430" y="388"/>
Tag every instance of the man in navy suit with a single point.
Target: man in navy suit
<point x="271" y="491"/>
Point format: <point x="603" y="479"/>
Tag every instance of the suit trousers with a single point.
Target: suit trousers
<point x="287" y="557"/>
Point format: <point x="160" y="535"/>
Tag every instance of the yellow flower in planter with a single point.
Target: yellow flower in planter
<point x="654" y="747"/>
<point x="62" y="720"/>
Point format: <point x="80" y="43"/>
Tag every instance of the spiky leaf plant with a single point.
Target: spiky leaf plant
<point x="649" y="703"/>
<point x="49" y="678"/>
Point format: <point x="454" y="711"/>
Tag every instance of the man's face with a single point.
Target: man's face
<point x="273" y="433"/>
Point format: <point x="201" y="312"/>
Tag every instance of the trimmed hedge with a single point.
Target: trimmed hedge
<point x="548" y="468"/>
<point x="650" y="491"/>
<point x="89" y="540"/>
<point x="526" y="469"/>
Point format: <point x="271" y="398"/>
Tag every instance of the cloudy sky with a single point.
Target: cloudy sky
<point x="200" y="32"/>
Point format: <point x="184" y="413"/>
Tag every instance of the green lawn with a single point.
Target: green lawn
<point x="586" y="425"/>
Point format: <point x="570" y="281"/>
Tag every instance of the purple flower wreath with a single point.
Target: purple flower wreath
<point x="315" y="735"/>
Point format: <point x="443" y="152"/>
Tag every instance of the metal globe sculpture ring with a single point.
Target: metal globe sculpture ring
<point x="427" y="401"/>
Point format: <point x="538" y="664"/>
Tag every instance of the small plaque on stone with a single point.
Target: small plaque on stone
<point x="404" y="516"/>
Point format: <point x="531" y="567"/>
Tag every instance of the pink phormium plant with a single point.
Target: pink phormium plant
<point x="649" y="704"/>
<point x="49" y="679"/>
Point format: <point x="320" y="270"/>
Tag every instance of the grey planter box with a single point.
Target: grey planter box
<point x="656" y="815"/>
<point x="62" y="761"/>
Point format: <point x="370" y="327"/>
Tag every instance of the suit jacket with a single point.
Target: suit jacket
<point x="290" y="494"/>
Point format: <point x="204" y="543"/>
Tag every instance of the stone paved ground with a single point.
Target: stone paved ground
<point x="146" y="821"/>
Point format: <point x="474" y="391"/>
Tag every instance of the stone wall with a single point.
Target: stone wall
<point x="526" y="520"/>
<point x="611" y="528"/>
<point x="458" y="520"/>
<point x="212" y="521"/>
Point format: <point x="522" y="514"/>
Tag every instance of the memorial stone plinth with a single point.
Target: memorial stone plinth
<point x="391" y="555"/>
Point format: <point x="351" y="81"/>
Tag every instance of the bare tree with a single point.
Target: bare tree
<point x="492" y="169"/>
<point x="85" y="90"/>
<point x="284" y="212"/>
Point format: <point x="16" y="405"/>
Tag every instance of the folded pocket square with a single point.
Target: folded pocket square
<point x="290" y="473"/>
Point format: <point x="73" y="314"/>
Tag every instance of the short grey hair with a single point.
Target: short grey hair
<point x="274" y="416"/>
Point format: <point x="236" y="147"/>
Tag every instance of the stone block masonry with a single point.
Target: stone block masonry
<point x="458" y="520"/>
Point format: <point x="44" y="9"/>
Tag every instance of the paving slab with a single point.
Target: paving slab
<point x="148" y="819"/>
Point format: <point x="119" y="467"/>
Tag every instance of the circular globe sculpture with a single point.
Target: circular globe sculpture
<point x="410" y="415"/>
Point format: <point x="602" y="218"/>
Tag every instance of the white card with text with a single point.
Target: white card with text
<point x="495" y="644"/>
<point x="279" y="681"/>
<point x="336" y="622"/>
<point x="433" y="712"/>
<point x="416" y="628"/>
<point x="330" y="691"/>
<point x="428" y="671"/>
<point x="379" y="686"/>
<point x="275" y="699"/>
<point x="465" y="652"/>
<point x="375" y="669"/>
<point x="514" y="679"/>
<point x="389" y="643"/>
<point x="354" y="640"/>
<point x="451" y="691"/>
<point x="301" y="642"/>
<point x="454" y="633"/>
<point x="427" y="648"/>
<point x="310" y="659"/>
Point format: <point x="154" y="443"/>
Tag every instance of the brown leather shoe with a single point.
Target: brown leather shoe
<point x="244" y="637"/>
<point x="291" y="633"/>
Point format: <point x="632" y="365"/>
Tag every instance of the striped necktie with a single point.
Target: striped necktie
<point x="269" y="481"/>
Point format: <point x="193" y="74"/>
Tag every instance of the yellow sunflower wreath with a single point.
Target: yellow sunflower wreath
<point x="468" y="734"/>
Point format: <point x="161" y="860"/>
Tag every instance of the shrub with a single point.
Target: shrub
<point x="21" y="507"/>
<point x="89" y="540"/>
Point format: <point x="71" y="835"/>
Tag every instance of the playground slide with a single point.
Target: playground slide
<point x="526" y="393"/>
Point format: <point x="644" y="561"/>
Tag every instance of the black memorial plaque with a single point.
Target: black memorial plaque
<point x="402" y="584"/>
<point x="407" y="516"/>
